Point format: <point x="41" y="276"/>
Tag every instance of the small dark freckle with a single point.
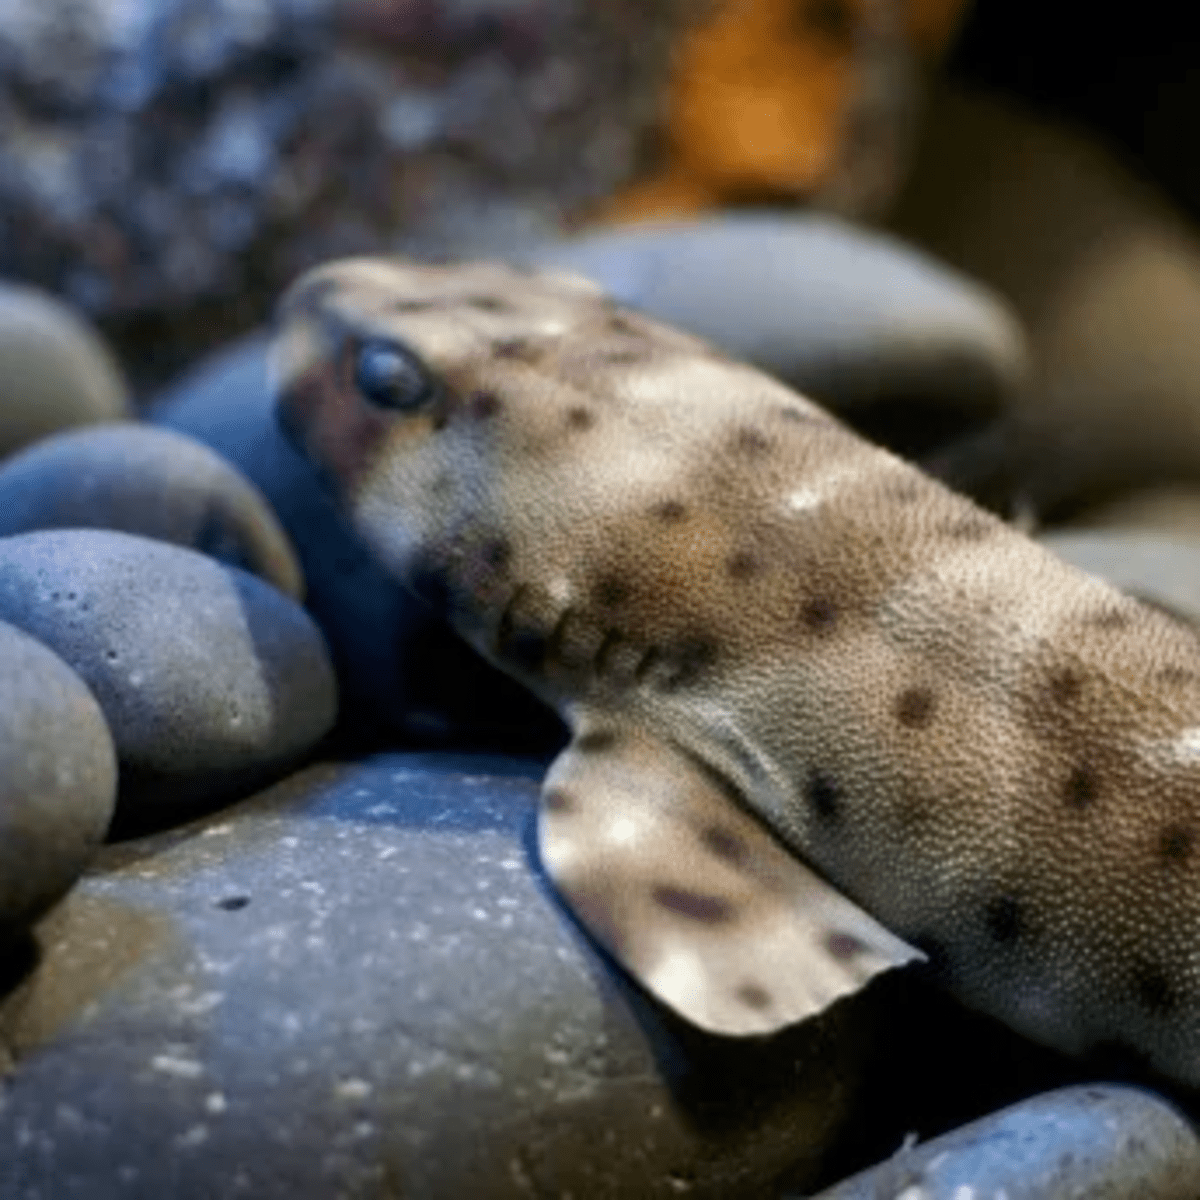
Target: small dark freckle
<point x="1176" y="844"/>
<point x="1176" y="676"/>
<point x="556" y="800"/>
<point x="491" y="304"/>
<point x="751" y="441"/>
<point x="844" y="946"/>
<point x="595" y="740"/>
<point x="970" y="529"/>
<point x="620" y="324"/>
<point x="710" y="910"/>
<point x="1154" y="990"/>
<point x="233" y="903"/>
<point x="515" y="348"/>
<point x="753" y="996"/>
<point x="914" y="707"/>
<point x="822" y="794"/>
<point x="611" y="591"/>
<point x="413" y="305"/>
<point x="723" y="843"/>
<point x="1004" y="919"/>
<point x="497" y="553"/>
<point x="1081" y="789"/>
<point x="743" y="564"/>
<point x="669" y="510"/>
<point x="819" y="614"/>
<point x="580" y="418"/>
<point x="1111" y="618"/>
<point x="1065" y="686"/>
<point x="795" y="414"/>
<point x="482" y="405"/>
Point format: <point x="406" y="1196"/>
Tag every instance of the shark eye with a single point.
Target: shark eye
<point x="389" y="376"/>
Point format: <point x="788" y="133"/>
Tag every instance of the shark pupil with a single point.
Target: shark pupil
<point x="389" y="376"/>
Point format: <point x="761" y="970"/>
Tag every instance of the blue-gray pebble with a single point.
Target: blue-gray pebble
<point x="1110" y="1143"/>
<point x="205" y="674"/>
<point x="58" y="778"/>
<point x="55" y="372"/>
<point x="848" y="315"/>
<point x="149" y="481"/>
<point x="400" y="669"/>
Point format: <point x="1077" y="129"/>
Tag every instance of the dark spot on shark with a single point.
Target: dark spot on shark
<point x="1111" y="618"/>
<point x="610" y="591"/>
<point x="595" y="741"/>
<point x="819" y="614"/>
<point x="491" y="304"/>
<point x="517" y="350"/>
<point x="789" y="413"/>
<point x="914" y="707"/>
<point x="751" y="441"/>
<point x="1176" y="845"/>
<point x="619" y="323"/>
<point x="823" y="796"/>
<point x="723" y="843"/>
<point x="753" y="996"/>
<point x="1177" y="676"/>
<point x="623" y="356"/>
<point x="1004" y="919"/>
<point x="580" y="418"/>
<point x="1153" y="988"/>
<point x="557" y="800"/>
<point x="496" y="553"/>
<point x="669" y="511"/>
<point x="1065" y="685"/>
<point x="904" y="491"/>
<point x="414" y="305"/>
<point x="696" y="906"/>
<point x="969" y="529"/>
<point x="482" y="405"/>
<point x="743" y="565"/>
<point x="1082" y="788"/>
<point x="844" y="946"/>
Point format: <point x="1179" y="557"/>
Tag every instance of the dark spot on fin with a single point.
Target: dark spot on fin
<point x="969" y="529"/>
<point x="844" y="946"/>
<point x="753" y="996"/>
<point x="580" y="418"/>
<point x="819" y="614"/>
<point x="610" y="591"/>
<point x="1112" y="618"/>
<point x="1004" y="919"/>
<point x="1176" y="844"/>
<point x="482" y="405"/>
<point x="914" y="707"/>
<point x="743" y="564"/>
<point x="751" y="441"/>
<point x="556" y="800"/>
<point x="517" y="350"/>
<point x="595" y="741"/>
<point x="823" y="796"/>
<point x="492" y="304"/>
<point x="1081" y="788"/>
<point x="724" y="844"/>
<point x="1065" y="685"/>
<point x="669" y="510"/>
<point x="696" y="906"/>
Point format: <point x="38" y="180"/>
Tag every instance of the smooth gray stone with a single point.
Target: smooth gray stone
<point x="399" y="668"/>
<point x="1098" y="1142"/>
<point x="58" y="778"/>
<point x="205" y="674"/>
<point x="847" y="315"/>
<point x="152" y="482"/>
<point x="1161" y="569"/>
<point x="360" y="984"/>
<point x="55" y="372"/>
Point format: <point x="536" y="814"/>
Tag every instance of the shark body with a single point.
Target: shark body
<point x="827" y="716"/>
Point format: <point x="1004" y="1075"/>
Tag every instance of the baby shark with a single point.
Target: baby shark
<point x="828" y="717"/>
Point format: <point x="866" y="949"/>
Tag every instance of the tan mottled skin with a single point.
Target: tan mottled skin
<point x="994" y="754"/>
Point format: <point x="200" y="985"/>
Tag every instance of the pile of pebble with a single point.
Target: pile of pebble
<point x="294" y="971"/>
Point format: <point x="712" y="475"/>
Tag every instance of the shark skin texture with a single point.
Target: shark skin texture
<point x="828" y="717"/>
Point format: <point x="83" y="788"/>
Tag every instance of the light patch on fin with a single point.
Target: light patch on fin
<point x="693" y="895"/>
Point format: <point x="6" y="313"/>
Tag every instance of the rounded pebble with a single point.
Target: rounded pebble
<point x="205" y="674"/>
<point x="55" y="372"/>
<point x="360" y="984"/>
<point x="152" y="482"/>
<point x="1101" y="1141"/>
<point x="58" y="778"/>
<point x="847" y="315"/>
<point x="400" y="669"/>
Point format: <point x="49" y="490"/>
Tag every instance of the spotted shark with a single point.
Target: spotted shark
<point x="827" y="716"/>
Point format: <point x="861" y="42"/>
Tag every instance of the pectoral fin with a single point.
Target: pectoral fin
<point x="693" y="895"/>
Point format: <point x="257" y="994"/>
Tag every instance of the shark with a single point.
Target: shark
<point x="827" y="717"/>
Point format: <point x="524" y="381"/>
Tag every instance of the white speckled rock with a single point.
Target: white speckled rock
<point x="152" y="482"/>
<point x="848" y="315"/>
<point x="58" y="778"/>
<point x="55" y="371"/>
<point x="359" y="984"/>
<point x="1163" y="570"/>
<point x="206" y="675"/>
<point x="400" y="669"/>
<point x="1084" y="1143"/>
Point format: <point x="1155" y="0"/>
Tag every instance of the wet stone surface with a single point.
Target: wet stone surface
<point x="206" y="675"/>
<point x="359" y="984"/>
<point x="58" y="780"/>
